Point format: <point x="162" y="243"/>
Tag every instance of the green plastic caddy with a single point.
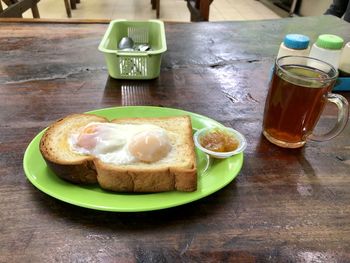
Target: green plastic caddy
<point x="134" y="64"/>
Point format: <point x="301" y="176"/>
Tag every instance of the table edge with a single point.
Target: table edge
<point x="67" y="21"/>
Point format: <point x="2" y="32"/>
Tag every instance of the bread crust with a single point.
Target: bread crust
<point x="125" y="178"/>
<point x="133" y="179"/>
<point x="118" y="179"/>
<point x="84" y="173"/>
<point x="80" y="170"/>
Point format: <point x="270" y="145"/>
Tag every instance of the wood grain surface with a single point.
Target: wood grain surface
<point x="284" y="206"/>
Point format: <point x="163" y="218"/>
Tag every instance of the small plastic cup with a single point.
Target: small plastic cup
<point x="242" y="143"/>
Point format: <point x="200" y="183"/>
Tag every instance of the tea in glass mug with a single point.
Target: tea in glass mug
<point x="298" y="92"/>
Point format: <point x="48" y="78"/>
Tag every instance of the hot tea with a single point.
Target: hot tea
<point x="292" y="110"/>
<point x="299" y="90"/>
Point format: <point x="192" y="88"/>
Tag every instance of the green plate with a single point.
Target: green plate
<point x="212" y="174"/>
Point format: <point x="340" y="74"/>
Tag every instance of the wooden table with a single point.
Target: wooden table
<point x="284" y="206"/>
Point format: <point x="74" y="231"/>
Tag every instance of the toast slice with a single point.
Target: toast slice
<point x="55" y="149"/>
<point x="175" y="172"/>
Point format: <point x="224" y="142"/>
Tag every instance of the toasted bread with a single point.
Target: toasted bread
<point x="177" y="172"/>
<point x="55" y="149"/>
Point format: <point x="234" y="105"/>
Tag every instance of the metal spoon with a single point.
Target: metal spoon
<point x="126" y="43"/>
<point x="143" y="47"/>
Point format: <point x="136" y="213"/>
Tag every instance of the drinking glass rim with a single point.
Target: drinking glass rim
<point x="328" y="79"/>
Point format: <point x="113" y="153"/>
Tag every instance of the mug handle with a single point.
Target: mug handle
<point x="343" y="114"/>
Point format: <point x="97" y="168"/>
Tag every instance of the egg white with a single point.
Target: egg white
<point x="113" y="140"/>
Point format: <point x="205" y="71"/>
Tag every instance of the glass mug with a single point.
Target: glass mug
<point x="298" y="92"/>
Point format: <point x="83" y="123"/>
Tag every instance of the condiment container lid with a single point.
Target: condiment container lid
<point x="329" y="42"/>
<point x="296" y="41"/>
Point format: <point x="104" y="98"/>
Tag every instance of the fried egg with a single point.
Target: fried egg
<point x="122" y="143"/>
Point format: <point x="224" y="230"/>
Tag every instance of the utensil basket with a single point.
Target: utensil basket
<point x="134" y="64"/>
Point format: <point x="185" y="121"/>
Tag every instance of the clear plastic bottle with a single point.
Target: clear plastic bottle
<point x="328" y="48"/>
<point x="294" y="45"/>
<point x="344" y="64"/>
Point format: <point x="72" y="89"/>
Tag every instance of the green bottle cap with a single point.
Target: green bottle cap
<point x="329" y="41"/>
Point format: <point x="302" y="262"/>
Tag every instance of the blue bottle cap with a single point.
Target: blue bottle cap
<point x="296" y="41"/>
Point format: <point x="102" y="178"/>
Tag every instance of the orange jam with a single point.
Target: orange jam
<point x="219" y="141"/>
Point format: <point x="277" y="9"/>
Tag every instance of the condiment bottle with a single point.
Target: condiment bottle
<point x="344" y="64"/>
<point x="294" y="45"/>
<point x="328" y="48"/>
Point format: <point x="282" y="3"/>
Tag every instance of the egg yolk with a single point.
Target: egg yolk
<point x="149" y="146"/>
<point x="87" y="138"/>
